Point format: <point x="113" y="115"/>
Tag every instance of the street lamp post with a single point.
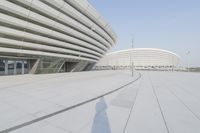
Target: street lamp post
<point x="132" y="62"/>
<point x="187" y="54"/>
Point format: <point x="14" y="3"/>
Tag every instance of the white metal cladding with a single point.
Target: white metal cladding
<point x="141" y="57"/>
<point x="59" y="28"/>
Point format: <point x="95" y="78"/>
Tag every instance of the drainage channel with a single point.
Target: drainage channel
<point x="66" y="109"/>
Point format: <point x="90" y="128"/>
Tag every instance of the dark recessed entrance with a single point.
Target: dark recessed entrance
<point x="69" y="66"/>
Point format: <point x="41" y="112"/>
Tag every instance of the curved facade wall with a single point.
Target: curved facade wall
<point x="142" y="58"/>
<point x="70" y="30"/>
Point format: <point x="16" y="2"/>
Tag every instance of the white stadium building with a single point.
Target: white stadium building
<point x="141" y="58"/>
<point x="50" y="36"/>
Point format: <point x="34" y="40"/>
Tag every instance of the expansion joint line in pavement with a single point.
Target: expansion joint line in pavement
<point x="181" y="101"/>
<point x="66" y="109"/>
<point x="129" y="116"/>
<point x="157" y="100"/>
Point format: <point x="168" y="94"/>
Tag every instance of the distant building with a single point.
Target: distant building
<point x="142" y="58"/>
<point x="50" y="36"/>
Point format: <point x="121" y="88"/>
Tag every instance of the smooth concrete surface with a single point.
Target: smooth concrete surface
<point x="159" y="102"/>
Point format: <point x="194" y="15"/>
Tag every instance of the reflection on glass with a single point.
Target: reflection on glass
<point x="13" y="66"/>
<point x="49" y="65"/>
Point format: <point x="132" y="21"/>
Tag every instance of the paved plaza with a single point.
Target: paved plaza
<point x="101" y="102"/>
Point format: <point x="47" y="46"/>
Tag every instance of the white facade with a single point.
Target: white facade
<point x="70" y="30"/>
<point x="142" y="58"/>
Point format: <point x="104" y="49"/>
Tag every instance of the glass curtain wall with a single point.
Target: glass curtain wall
<point x="13" y="66"/>
<point x="49" y="65"/>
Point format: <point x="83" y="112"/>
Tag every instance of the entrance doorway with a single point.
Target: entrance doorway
<point x="69" y="66"/>
<point x="13" y="66"/>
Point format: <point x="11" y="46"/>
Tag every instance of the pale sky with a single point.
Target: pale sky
<point x="172" y="25"/>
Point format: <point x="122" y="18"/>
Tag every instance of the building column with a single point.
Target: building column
<point x="6" y="67"/>
<point x="29" y="66"/>
<point x="34" y="66"/>
<point x="65" y="67"/>
<point x="15" y="67"/>
<point x="22" y="67"/>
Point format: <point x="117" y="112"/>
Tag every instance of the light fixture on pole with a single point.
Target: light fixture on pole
<point x="132" y="62"/>
<point x="187" y="54"/>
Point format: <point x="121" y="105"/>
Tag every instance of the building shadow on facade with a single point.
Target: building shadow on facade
<point x="100" y="122"/>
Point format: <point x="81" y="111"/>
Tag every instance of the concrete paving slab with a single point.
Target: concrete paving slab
<point x="159" y="102"/>
<point x="146" y="116"/>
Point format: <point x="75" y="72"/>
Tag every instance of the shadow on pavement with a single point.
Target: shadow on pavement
<point x="100" y="122"/>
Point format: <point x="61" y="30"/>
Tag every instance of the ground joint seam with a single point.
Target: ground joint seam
<point x="66" y="109"/>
